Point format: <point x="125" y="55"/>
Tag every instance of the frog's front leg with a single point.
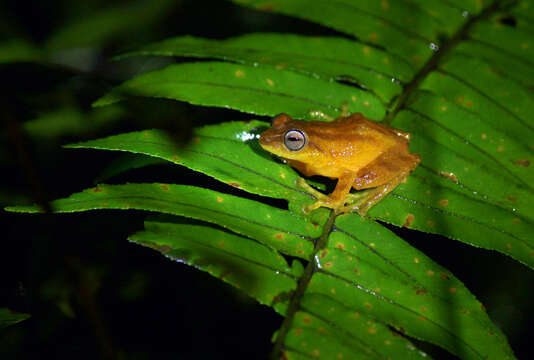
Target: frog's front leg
<point x="336" y="199"/>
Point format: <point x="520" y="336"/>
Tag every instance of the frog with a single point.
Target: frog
<point x="361" y="154"/>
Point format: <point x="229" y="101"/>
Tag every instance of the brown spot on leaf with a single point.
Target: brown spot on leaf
<point x="516" y="221"/>
<point x="219" y="199"/>
<point x="512" y="198"/>
<point x="97" y="190"/>
<point x="522" y="162"/>
<point x="444" y="202"/>
<point x="369" y="306"/>
<point x="270" y="82"/>
<point x="356" y="315"/>
<point x="452" y="290"/>
<point x="408" y="220"/>
<point x="298" y="332"/>
<point x="333" y="291"/>
<point x="340" y="246"/>
<point x="222" y="243"/>
<point x="323" y="253"/>
<point x="423" y="308"/>
<point x="416" y="260"/>
<point x="164" y="187"/>
<point x="422" y="318"/>
<point x="306" y="319"/>
<point x="372" y="330"/>
<point x="465" y="311"/>
<point x="279" y="236"/>
<point x="146" y="134"/>
<point x="420" y="292"/>
<point x="508" y="246"/>
<point x="444" y="276"/>
<point x="315" y="352"/>
<point x="239" y="73"/>
<point x="430" y="223"/>
<point x="468" y="103"/>
<point x="373" y="36"/>
<point x="164" y="249"/>
<point x="430" y="272"/>
<point x="235" y="184"/>
<point x="356" y="271"/>
<point x="500" y="148"/>
<point x="328" y="264"/>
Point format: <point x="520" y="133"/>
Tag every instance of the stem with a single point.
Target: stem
<point x="302" y="285"/>
<point x="434" y="60"/>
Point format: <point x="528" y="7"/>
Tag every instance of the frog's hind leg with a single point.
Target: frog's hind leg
<point x="362" y="201"/>
<point x="379" y="181"/>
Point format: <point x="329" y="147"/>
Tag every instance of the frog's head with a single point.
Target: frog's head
<point x="287" y="138"/>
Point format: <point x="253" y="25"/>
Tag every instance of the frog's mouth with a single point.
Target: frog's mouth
<point x="270" y="142"/>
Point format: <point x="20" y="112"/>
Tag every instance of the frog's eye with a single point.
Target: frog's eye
<point x="294" y="140"/>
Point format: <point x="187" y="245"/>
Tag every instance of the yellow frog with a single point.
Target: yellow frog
<point x="360" y="153"/>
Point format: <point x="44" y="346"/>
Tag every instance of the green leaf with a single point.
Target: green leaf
<point x="18" y="50"/>
<point x="401" y="28"/>
<point x="317" y="57"/>
<point x="71" y="121"/>
<point x="108" y="23"/>
<point x="246" y="264"/>
<point x="269" y="225"/>
<point x="8" y="317"/>
<point x="262" y="91"/>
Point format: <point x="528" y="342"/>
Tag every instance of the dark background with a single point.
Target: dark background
<point x="92" y="294"/>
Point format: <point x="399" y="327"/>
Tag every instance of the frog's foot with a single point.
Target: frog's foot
<point x="322" y="199"/>
<point x="359" y="202"/>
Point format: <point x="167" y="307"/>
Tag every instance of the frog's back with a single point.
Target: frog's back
<point x="353" y="141"/>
